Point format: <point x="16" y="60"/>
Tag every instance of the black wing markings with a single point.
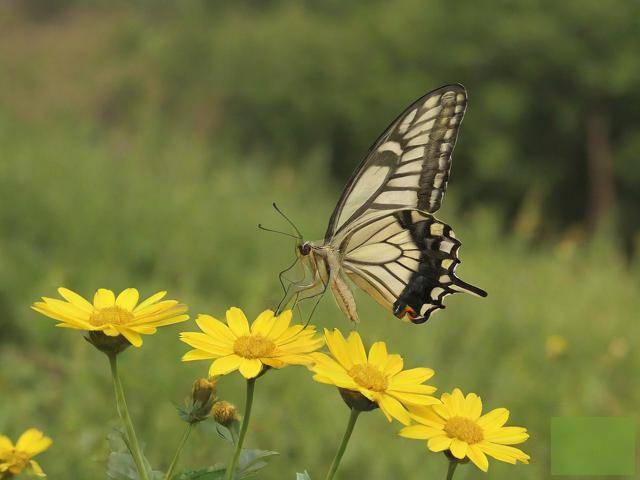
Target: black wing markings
<point x="430" y="273"/>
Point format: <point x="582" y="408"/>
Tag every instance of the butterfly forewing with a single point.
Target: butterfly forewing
<point x="408" y="166"/>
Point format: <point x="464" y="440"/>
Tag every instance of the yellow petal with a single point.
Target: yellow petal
<point x="5" y="445"/>
<point x="134" y="338"/>
<point x="109" y="330"/>
<point x="494" y="419"/>
<point x="356" y="348"/>
<point x="295" y="359"/>
<point x="166" y="320"/>
<point x="289" y="335"/>
<point x="458" y="448"/>
<point x="457" y="402"/>
<point x="394" y="365"/>
<point x="442" y="410"/>
<point x="394" y="408"/>
<point x="413" y="398"/>
<point x="478" y="457"/>
<point x="263" y="324"/>
<point x="426" y="416"/>
<point x="420" y="432"/>
<point x="67" y="310"/>
<point x="473" y="406"/>
<point x="75" y="299"/>
<point x="144" y="329"/>
<point x="156" y="297"/>
<point x="128" y="299"/>
<point x="416" y="388"/>
<point x="36" y="469"/>
<point x="215" y="328"/>
<point x="204" y="342"/>
<point x="104" y="298"/>
<point x="281" y="324"/>
<point x="196" y="354"/>
<point x="507" y="435"/>
<point x="237" y="322"/>
<point x="411" y="376"/>
<point x="338" y="347"/>
<point x="439" y="444"/>
<point x="250" y="368"/>
<point x="504" y="453"/>
<point x="274" y="362"/>
<point x="378" y="355"/>
<point x="33" y="442"/>
<point x="43" y="309"/>
<point x="224" y="365"/>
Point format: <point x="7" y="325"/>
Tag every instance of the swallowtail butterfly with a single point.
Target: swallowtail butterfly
<point x="382" y="234"/>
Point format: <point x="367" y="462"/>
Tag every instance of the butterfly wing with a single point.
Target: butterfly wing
<point x="408" y="166"/>
<point x="406" y="260"/>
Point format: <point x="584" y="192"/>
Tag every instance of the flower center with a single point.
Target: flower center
<point x="110" y="315"/>
<point x="369" y="377"/>
<point x="464" y="429"/>
<point x="253" y="346"/>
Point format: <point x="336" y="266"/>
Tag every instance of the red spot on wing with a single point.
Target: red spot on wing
<point x="407" y="311"/>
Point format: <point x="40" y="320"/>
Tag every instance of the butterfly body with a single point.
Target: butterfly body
<point x="382" y="235"/>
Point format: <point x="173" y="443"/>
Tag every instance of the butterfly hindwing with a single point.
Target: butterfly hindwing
<point x="408" y="166"/>
<point x="406" y="260"/>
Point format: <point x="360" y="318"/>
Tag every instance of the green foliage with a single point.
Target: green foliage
<point x="141" y="146"/>
<point x="303" y="476"/>
<point x="209" y="473"/>
<point x="121" y="465"/>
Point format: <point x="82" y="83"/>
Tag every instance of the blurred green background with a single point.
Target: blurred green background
<point x="141" y="143"/>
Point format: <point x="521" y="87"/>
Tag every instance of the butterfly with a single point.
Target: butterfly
<point x="382" y="234"/>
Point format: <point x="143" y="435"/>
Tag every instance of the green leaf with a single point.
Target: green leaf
<point x="251" y="461"/>
<point x="120" y="465"/>
<point x="303" y="476"/>
<point x="224" y="433"/>
<point x="210" y="473"/>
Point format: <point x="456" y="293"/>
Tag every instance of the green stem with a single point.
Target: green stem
<point x="243" y="429"/>
<point x="452" y="468"/>
<point x="123" y="411"/>
<point x="343" y="445"/>
<point x="176" y="457"/>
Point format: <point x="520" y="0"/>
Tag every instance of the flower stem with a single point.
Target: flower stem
<point x="176" y="456"/>
<point x="243" y="429"/>
<point x="123" y="411"/>
<point x="453" y="464"/>
<point x="343" y="445"/>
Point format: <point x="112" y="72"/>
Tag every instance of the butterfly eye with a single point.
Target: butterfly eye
<point x="305" y="249"/>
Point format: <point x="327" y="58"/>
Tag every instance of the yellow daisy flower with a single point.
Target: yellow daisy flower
<point x="121" y="315"/>
<point x="457" y="425"/>
<point x="16" y="458"/>
<point x="380" y="377"/>
<point x="270" y="341"/>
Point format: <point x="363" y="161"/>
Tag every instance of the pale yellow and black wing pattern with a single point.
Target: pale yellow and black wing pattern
<point x="408" y="166"/>
<point x="406" y="260"/>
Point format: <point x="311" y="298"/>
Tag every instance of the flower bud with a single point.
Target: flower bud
<point x="106" y="344"/>
<point x="224" y="413"/>
<point x="357" y="401"/>
<point x="203" y="391"/>
<point x="198" y="406"/>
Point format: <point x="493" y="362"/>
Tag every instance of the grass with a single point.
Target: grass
<point x="84" y="211"/>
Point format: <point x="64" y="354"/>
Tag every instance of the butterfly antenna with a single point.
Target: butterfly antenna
<point x="288" y="220"/>
<point x="261" y="227"/>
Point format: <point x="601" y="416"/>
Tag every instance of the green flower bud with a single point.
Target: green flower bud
<point x="357" y="401"/>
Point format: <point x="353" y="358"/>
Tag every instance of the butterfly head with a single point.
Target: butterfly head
<point x="304" y="249"/>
